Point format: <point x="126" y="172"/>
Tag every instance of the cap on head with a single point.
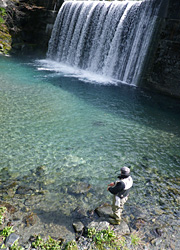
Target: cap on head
<point x="125" y="171"/>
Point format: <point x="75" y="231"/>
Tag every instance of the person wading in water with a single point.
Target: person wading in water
<point x="120" y="190"/>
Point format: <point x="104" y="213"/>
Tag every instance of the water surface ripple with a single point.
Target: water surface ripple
<point x="83" y="132"/>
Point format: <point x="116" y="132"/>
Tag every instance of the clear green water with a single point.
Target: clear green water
<point x="83" y="132"/>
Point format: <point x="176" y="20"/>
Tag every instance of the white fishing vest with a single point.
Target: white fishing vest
<point x="128" y="182"/>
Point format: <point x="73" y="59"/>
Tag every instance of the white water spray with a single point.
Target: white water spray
<point x="106" y="38"/>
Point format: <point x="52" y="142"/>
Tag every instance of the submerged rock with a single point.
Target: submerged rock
<point x="5" y="174"/>
<point x="23" y="190"/>
<point x="30" y="219"/>
<point x="10" y="208"/>
<point x="79" y="213"/>
<point x="79" y="188"/>
<point x="40" y="171"/>
<point x="98" y="123"/>
<point x="139" y="223"/>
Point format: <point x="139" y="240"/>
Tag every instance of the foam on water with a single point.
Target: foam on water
<point x="67" y="70"/>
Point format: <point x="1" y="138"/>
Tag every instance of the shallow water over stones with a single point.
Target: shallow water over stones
<point x="30" y="215"/>
<point x="63" y="140"/>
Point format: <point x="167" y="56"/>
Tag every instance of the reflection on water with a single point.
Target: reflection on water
<point x="82" y="133"/>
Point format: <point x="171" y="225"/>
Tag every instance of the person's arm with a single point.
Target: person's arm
<point x="117" y="188"/>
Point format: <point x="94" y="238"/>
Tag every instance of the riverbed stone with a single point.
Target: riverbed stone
<point x="104" y="210"/>
<point x="156" y="242"/>
<point x="78" y="226"/>
<point x="122" y="229"/>
<point x="27" y="246"/>
<point x="98" y="225"/>
<point x="11" y="239"/>
<point x="85" y="243"/>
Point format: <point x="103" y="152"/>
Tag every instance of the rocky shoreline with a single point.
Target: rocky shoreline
<point x="97" y="220"/>
<point x="34" y="210"/>
<point x="25" y="225"/>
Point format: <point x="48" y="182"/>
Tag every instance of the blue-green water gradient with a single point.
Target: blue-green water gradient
<point x="84" y="131"/>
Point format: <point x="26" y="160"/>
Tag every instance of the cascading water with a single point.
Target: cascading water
<point x="107" y="38"/>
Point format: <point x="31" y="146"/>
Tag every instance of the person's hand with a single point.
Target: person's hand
<point x="111" y="184"/>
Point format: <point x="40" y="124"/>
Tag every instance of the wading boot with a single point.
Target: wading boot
<point x="112" y="216"/>
<point x="114" y="221"/>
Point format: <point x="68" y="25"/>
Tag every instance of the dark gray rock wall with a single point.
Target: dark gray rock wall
<point x="162" y="72"/>
<point x="31" y="30"/>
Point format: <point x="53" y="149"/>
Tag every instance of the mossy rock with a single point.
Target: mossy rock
<point x="5" y="39"/>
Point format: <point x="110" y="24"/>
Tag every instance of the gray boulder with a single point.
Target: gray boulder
<point x="104" y="210"/>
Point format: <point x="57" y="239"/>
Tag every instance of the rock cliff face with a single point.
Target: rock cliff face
<point x="163" y="69"/>
<point x="33" y="22"/>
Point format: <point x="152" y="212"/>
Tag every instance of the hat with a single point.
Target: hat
<point x="125" y="171"/>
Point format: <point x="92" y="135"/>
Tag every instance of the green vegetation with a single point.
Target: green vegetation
<point x="2" y="214"/>
<point x="5" y="37"/>
<point x="49" y="244"/>
<point x="6" y="232"/>
<point x="52" y="244"/>
<point x="135" y="239"/>
<point x="2" y="14"/>
<point x="15" y="246"/>
<point x="72" y="245"/>
<point x="106" y="237"/>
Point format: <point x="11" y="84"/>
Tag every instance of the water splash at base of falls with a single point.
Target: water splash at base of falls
<point x="107" y="38"/>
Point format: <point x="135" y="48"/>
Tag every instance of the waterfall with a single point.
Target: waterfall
<point x="108" y="38"/>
